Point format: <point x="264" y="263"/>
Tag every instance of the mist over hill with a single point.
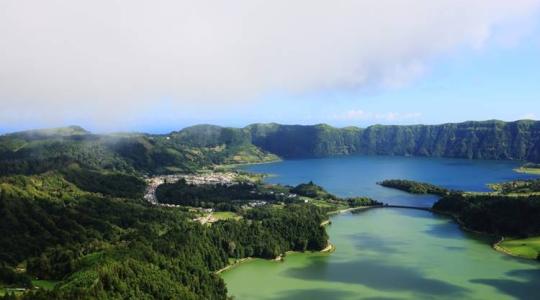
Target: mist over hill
<point x="36" y="151"/>
<point x="81" y="154"/>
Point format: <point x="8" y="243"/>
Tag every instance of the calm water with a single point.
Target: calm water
<point x="390" y="253"/>
<point x="358" y="175"/>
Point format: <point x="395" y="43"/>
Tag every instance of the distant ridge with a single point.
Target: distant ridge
<point x="58" y="131"/>
<point x="493" y="139"/>
<point x="37" y="151"/>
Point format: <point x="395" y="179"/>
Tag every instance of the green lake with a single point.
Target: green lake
<point x="390" y="253"/>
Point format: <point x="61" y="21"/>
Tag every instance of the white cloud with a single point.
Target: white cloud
<point x="360" y="115"/>
<point x="529" y="116"/>
<point x="104" y="60"/>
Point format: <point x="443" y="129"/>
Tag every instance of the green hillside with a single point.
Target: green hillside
<point x="88" y="241"/>
<point x="37" y="151"/>
<point x="518" y="140"/>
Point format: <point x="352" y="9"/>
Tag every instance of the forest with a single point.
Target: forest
<point x="414" y="187"/>
<point x="98" y="244"/>
<point x="221" y="197"/>
<point x="515" y="216"/>
<point x="512" y="210"/>
<point x="38" y="151"/>
<point x="235" y="197"/>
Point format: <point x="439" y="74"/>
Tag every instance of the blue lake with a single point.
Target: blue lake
<point x="357" y="175"/>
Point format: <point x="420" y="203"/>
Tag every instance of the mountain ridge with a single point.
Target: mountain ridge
<point x="492" y="139"/>
<point x="36" y="151"/>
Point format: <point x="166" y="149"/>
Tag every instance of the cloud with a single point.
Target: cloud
<point x="106" y="60"/>
<point x="360" y="115"/>
<point x="529" y="116"/>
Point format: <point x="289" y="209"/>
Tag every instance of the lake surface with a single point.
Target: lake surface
<point x="389" y="253"/>
<point x="357" y="175"/>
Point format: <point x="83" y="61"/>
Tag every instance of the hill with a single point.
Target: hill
<point x="519" y="140"/>
<point x="92" y="241"/>
<point x="37" y="151"/>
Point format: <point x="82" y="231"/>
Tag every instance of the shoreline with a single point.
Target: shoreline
<point x="497" y="247"/>
<point x="462" y="225"/>
<point x="233" y="265"/>
<point x="233" y="166"/>
<point x="330" y="248"/>
<point x="494" y="245"/>
<point x="350" y="209"/>
<point x="529" y="171"/>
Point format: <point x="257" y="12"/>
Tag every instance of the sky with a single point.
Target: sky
<point x="158" y="66"/>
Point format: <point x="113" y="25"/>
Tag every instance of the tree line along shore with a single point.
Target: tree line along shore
<point x="511" y="212"/>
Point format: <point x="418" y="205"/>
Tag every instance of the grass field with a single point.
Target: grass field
<point x="225" y="215"/>
<point x="527" y="248"/>
<point x="45" y="284"/>
<point x="41" y="284"/>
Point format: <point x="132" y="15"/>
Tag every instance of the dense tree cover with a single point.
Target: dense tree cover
<point x="495" y="214"/>
<point x="297" y="227"/>
<point x="518" y="140"/>
<point x="100" y="246"/>
<point x="227" y="145"/>
<point x="9" y="277"/>
<point x="312" y="190"/>
<point x="47" y="211"/>
<point x="361" y="201"/>
<point x="317" y="192"/>
<point x="32" y="152"/>
<point x="38" y="151"/>
<point x="235" y="197"/>
<point x="108" y="183"/>
<point x="220" y="196"/>
<point x="211" y="136"/>
<point x="297" y="141"/>
<point x="414" y="187"/>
